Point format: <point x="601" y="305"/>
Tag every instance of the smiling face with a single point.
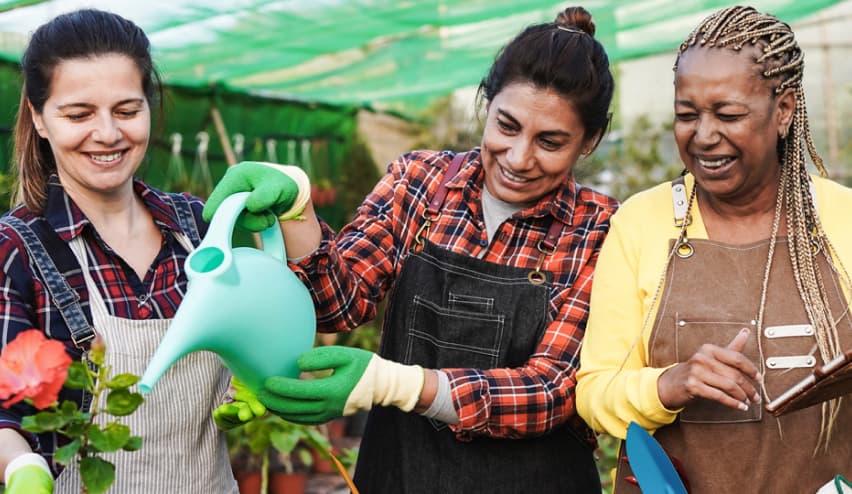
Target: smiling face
<point x="531" y="141"/>
<point x="97" y="121"/>
<point x="727" y="123"/>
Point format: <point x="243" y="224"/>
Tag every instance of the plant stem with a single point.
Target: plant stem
<point x="264" y="474"/>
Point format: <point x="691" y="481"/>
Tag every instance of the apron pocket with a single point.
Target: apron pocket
<point x="689" y="336"/>
<point x="438" y="337"/>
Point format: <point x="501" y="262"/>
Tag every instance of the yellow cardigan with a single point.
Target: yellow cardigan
<point x="614" y="384"/>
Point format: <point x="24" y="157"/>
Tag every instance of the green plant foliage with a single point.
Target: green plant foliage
<point x="367" y="337"/>
<point x="97" y="474"/>
<point x="607" y="458"/>
<point x="88" y="439"/>
<point x="445" y="124"/>
<point x="625" y="165"/>
<point x="358" y="175"/>
<point x="7" y="187"/>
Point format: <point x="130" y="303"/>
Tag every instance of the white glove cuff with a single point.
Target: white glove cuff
<point x="301" y="178"/>
<point x="386" y="383"/>
<point x="24" y="460"/>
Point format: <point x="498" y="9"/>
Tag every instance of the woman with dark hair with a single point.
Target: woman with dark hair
<point x="82" y="131"/>
<point x="716" y="292"/>
<point x="486" y="258"/>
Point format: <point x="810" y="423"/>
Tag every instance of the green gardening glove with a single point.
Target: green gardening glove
<point x="243" y="408"/>
<point x="28" y="477"/>
<point x="359" y="379"/>
<point x="278" y="193"/>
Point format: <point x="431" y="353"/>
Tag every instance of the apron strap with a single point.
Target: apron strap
<point x="434" y="208"/>
<point x="679" y="201"/>
<point x="40" y="246"/>
<point x="549" y="241"/>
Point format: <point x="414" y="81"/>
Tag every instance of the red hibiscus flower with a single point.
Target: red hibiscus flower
<point x="33" y="367"/>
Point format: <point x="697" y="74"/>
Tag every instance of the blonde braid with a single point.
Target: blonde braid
<point x="782" y="63"/>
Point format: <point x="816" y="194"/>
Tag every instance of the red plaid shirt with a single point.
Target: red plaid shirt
<point x="351" y="272"/>
<point x="25" y="302"/>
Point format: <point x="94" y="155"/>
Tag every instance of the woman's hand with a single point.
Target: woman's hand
<point x="358" y="380"/>
<point x="723" y="375"/>
<point x="28" y="474"/>
<point x="242" y="407"/>
<point x="278" y="193"/>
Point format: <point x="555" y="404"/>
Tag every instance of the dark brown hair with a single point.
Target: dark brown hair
<point x="76" y="35"/>
<point x="563" y="56"/>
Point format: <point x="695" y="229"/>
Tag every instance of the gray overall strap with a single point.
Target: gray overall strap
<point x="64" y="297"/>
<point x="186" y="218"/>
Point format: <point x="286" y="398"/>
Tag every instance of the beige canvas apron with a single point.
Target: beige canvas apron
<point x="708" y="298"/>
<point x="182" y="450"/>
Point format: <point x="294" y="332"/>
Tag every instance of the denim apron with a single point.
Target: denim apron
<point x="711" y="294"/>
<point x="448" y="310"/>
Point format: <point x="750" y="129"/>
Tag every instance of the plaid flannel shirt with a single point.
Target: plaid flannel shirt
<point x="25" y="302"/>
<point x="351" y="272"/>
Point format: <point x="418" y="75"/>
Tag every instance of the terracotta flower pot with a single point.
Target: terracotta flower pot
<point x="337" y="429"/>
<point x="322" y="464"/>
<point x="248" y="482"/>
<point x="287" y="483"/>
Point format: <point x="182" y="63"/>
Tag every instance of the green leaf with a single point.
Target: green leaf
<point x="111" y="438"/>
<point x="65" y="455"/>
<point x="306" y="457"/>
<point x="69" y="413"/>
<point x="78" y="376"/>
<point x="122" y="381"/>
<point x="133" y="444"/>
<point x="97" y="474"/>
<point x="42" y="422"/>
<point x="68" y="407"/>
<point x="122" y="402"/>
<point x="76" y="429"/>
<point x="284" y="442"/>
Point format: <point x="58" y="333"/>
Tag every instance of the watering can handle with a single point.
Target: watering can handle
<point x="222" y="228"/>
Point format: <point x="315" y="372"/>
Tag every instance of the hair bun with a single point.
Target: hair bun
<point x="576" y="17"/>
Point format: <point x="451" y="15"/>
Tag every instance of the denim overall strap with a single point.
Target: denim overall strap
<point x="185" y="217"/>
<point x="67" y="300"/>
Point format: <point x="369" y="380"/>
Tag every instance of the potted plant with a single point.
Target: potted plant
<point x="270" y="455"/>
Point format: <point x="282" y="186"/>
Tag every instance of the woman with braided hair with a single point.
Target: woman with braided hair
<point x="716" y="292"/>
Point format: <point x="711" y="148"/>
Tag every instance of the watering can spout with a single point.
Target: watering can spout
<point x="179" y="340"/>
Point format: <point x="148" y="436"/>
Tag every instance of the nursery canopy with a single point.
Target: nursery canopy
<point x="392" y="55"/>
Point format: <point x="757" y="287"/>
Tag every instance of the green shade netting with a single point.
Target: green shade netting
<point x="390" y="55"/>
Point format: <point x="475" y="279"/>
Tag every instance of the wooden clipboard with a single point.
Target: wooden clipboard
<point x="829" y="381"/>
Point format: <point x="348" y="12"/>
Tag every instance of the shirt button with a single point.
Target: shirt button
<point x="483" y="242"/>
<point x="142" y="299"/>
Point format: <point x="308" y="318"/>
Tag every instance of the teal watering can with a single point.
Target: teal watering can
<point x="243" y="304"/>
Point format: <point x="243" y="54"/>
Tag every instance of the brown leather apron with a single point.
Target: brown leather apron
<point x="708" y="298"/>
